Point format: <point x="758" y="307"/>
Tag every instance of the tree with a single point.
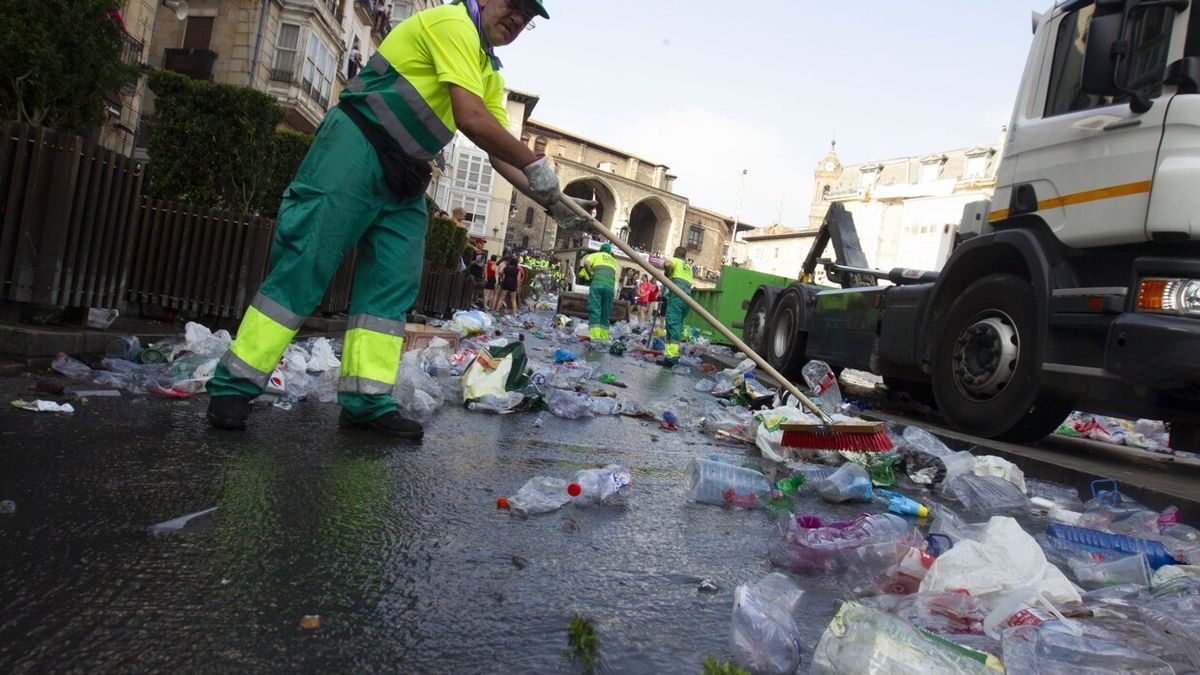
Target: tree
<point x="217" y="144"/>
<point x="58" y="61"/>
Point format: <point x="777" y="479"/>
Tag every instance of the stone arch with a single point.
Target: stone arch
<point x="650" y="225"/>
<point x="595" y="188"/>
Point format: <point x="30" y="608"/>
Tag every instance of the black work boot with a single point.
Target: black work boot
<point x="229" y="412"/>
<point x="391" y="424"/>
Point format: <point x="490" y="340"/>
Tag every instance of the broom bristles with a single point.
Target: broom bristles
<point x="865" y="437"/>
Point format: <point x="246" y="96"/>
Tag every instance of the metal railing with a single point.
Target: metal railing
<point x="195" y="63"/>
<point x="282" y="75"/>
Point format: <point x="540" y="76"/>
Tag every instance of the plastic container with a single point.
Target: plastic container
<point x="1095" y="541"/>
<point x="821" y="379"/>
<point x="899" y="504"/>
<point x="720" y="483"/>
<point x="599" y="486"/>
<point x="849" y="483"/>
<point x="101" y="318"/>
<point x="1130" y="569"/>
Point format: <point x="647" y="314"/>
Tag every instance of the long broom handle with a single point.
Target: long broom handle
<point x="704" y="313"/>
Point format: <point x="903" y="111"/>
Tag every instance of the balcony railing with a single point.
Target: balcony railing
<point x="195" y="63"/>
<point x="131" y="52"/>
<point x="282" y="75"/>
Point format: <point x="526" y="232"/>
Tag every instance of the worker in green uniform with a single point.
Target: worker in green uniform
<point x="679" y="271"/>
<point x="601" y="268"/>
<point x="363" y="183"/>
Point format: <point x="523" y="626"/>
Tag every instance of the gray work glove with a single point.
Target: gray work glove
<point x="566" y="218"/>
<point x="542" y="181"/>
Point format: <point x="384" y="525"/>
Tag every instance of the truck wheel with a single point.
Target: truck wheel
<point x="985" y="371"/>
<point x="1185" y="436"/>
<point x="785" y="340"/>
<point x="754" y="330"/>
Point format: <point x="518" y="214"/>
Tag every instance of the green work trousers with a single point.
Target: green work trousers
<point x="677" y="311"/>
<point x="338" y="200"/>
<point x="600" y="302"/>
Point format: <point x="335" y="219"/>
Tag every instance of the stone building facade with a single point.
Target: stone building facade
<point x="296" y="50"/>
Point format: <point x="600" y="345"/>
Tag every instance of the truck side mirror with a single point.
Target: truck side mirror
<point x="1100" y="57"/>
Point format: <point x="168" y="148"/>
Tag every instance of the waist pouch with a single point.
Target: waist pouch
<point x="406" y="177"/>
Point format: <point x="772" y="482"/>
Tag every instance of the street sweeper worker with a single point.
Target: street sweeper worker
<point x="363" y="183"/>
<point x="679" y="271"/>
<point x="601" y="268"/>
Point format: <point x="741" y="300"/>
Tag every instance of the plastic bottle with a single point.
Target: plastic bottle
<point x="721" y="483"/>
<point x="791" y="484"/>
<point x="605" y="405"/>
<point x="1095" y="541"/>
<point x="599" y="486"/>
<point x="849" y="483"/>
<point x="540" y="494"/>
<point x="570" y="405"/>
<point x="899" y="504"/>
<point x="820" y="378"/>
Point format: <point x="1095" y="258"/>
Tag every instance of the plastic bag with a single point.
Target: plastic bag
<point x="471" y="322"/>
<point x="1004" y="559"/>
<point x="728" y="422"/>
<point x="497" y="371"/>
<point x="865" y="640"/>
<point x="989" y="465"/>
<point x="984" y="496"/>
<point x="570" y="405"/>
<point x="868" y="546"/>
<point x="322" y="357"/>
<point x="418" y="394"/>
<point x="764" y="636"/>
<point x="198" y="339"/>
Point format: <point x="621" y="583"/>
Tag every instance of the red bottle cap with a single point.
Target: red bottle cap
<point x="574" y="489"/>
<point x="502" y="503"/>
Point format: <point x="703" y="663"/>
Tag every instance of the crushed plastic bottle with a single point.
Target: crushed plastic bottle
<point x="497" y="404"/>
<point x="570" y="405"/>
<point x="821" y="379"/>
<point x="540" y="494"/>
<point x="599" y="486"/>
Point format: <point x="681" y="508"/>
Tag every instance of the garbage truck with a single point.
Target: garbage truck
<point x="1077" y="285"/>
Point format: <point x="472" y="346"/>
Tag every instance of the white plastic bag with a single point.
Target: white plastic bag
<point x="322" y="357"/>
<point x="990" y="465"/>
<point x="764" y="636"/>
<point x="415" y="391"/>
<point x="1004" y="559"/>
<point x="486" y="375"/>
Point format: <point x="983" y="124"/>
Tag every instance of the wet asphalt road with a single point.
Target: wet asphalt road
<point x="399" y="549"/>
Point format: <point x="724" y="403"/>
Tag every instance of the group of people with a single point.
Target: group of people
<point x="602" y="270"/>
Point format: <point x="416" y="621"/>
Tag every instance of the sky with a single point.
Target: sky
<point x="712" y="89"/>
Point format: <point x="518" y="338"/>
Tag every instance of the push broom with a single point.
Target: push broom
<point x="856" y="436"/>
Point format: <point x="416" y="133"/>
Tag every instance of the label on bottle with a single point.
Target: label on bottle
<point x="1030" y="616"/>
<point x="824" y="384"/>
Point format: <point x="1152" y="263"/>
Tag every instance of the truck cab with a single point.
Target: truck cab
<point x="1078" y="284"/>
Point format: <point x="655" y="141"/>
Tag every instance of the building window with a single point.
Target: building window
<point x="283" y="68"/>
<point x="539" y="145"/>
<point x="525" y="241"/>
<point x="319" y="67"/>
<point x="930" y="172"/>
<point x="473" y="172"/>
<point x="976" y="167"/>
<point x="867" y="181"/>
<point x="695" y="238"/>
<point x="476" y="209"/>
<point x="529" y="216"/>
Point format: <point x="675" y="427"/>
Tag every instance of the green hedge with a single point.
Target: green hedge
<point x="445" y="240"/>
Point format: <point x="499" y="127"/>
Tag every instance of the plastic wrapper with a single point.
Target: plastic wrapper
<point x="1065" y="496"/>
<point x="470" y="322"/>
<point x="1032" y="649"/>
<point x="734" y="422"/>
<point x="981" y="497"/>
<point x="1003" y="559"/>
<point x="865" y="640"/>
<point x="198" y="339"/>
<point x="411" y="378"/>
<point x="500" y="405"/>
<point x="72" y="368"/>
<point x="990" y="465"/>
<point x="540" y="494"/>
<point x="764" y="636"/>
<point x="950" y="613"/>
<point x="133" y="377"/>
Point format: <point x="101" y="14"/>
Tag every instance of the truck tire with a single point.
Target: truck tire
<point x="987" y="361"/>
<point x="758" y="313"/>
<point x="785" y="340"/>
<point x="1185" y="436"/>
